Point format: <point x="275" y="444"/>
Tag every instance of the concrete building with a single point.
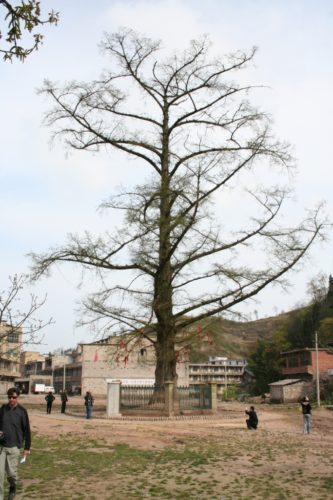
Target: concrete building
<point x="301" y="363"/>
<point x="287" y="391"/>
<point x="68" y="377"/>
<point x="89" y="366"/>
<point x="111" y="360"/>
<point x="45" y="369"/>
<point x="221" y="370"/>
<point x="10" y="350"/>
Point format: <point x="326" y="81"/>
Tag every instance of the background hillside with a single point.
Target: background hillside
<point x="234" y="339"/>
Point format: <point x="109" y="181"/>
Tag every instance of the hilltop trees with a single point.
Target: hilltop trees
<point x="202" y="232"/>
<point x="22" y="19"/>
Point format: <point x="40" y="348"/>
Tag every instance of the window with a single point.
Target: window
<point x="293" y="361"/>
<point x="305" y="358"/>
<point x="13" y="337"/>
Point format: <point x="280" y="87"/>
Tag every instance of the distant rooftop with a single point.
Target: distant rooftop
<point x="287" y="381"/>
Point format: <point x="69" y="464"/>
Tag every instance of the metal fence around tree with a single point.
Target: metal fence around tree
<point x="153" y="398"/>
<point x="138" y="398"/>
<point x="195" y="397"/>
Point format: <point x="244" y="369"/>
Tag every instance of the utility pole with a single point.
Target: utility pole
<point x="225" y="378"/>
<point x="64" y="378"/>
<point x="317" y="371"/>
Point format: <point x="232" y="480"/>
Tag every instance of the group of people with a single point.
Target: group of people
<point x="252" y="422"/>
<point x="49" y="398"/>
<point x="88" y="403"/>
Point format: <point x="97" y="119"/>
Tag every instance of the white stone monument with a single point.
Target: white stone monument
<point x="113" y="398"/>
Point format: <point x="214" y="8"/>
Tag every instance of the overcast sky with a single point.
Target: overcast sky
<point x="46" y="193"/>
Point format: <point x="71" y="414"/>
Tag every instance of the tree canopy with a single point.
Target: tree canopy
<point x="203" y="232"/>
<point x="22" y="19"/>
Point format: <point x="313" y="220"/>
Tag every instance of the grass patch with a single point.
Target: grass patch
<point x="236" y="466"/>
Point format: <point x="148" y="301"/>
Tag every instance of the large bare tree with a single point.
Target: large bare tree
<point x="186" y="251"/>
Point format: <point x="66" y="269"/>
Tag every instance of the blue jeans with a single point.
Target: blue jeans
<point x="89" y="411"/>
<point x="306" y="423"/>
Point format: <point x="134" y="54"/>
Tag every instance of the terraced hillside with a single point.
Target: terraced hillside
<point x="232" y="338"/>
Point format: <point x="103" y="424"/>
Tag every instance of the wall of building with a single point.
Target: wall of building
<point x="293" y="392"/>
<point x="101" y="362"/>
<point x="10" y="351"/>
<point x="276" y="393"/>
<point x="287" y="393"/>
<point x="325" y="361"/>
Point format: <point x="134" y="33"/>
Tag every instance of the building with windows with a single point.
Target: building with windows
<point x="112" y="359"/>
<point x="302" y="363"/>
<point x="61" y="369"/>
<point x="68" y="377"/>
<point x="221" y="370"/>
<point x="10" y="350"/>
<point x="91" y="365"/>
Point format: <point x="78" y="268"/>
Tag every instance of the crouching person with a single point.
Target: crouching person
<point x="15" y="430"/>
<point x="252" y="421"/>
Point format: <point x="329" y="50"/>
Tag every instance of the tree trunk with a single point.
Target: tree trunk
<point x="163" y="292"/>
<point x="165" y="358"/>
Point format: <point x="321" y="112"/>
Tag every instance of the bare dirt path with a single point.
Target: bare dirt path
<point x="154" y="433"/>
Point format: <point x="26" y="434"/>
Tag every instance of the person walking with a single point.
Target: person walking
<point x="306" y="410"/>
<point x="49" y="398"/>
<point x="88" y="402"/>
<point x="64" y="399"/>
<point x="14" y="431"/>
<point x="252" y="421"/>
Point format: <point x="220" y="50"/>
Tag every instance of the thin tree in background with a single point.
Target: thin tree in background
<point x="19" y="323"/>
<point x="203" y="233"/>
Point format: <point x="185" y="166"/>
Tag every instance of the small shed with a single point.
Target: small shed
<point x="286" y="391"/>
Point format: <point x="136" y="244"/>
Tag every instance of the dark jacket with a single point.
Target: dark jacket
<point x="49" y="398"/>
<point x="14" y="423"/>
<point x="253" y="419"/>
<point x="88" y="400"/>
<point x="64" y="397"/>
<point x="306" y="408"/>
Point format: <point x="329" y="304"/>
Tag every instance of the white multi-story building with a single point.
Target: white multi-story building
<point x="221" y="370"/>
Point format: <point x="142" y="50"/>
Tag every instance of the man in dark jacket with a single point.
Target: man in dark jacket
<point x="15" y="430"/>
<point x="252" y="421"/>
<point x="49" y="398"/>
<point x="88" y="402"/>
<point x="306" y="411"/>
<point x="64" y="399"/>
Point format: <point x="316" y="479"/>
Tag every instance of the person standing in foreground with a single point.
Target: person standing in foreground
<point x="252" y="421"/>
<point x="88" y="402"/>
<point x="306" y="410"/>
<point x="49" y="398"/>
<point x="64" y="400"/>
<point x="15" y="429"/>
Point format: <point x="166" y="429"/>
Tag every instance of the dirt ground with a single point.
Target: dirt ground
<point x="277" y="451"/>
<point x="156" y="433"/>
